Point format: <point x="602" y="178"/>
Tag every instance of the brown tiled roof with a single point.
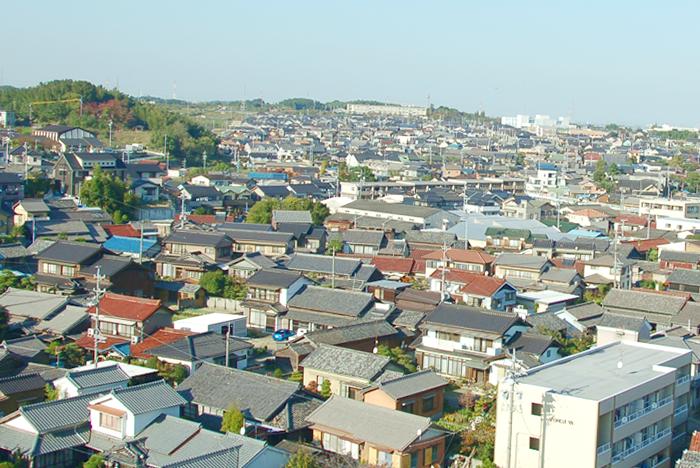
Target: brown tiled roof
<point x="128" y="307"/>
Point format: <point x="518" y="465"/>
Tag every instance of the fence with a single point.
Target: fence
<point x="231" y="305"/>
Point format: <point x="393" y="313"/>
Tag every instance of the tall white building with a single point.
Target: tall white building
<point x="621" y="405"/>
<point x="402" y="111"/>
<point x="542" y="121"/>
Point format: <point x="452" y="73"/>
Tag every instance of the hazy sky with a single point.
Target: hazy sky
<point x="630" y="62"/>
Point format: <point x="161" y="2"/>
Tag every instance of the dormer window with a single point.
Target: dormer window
<point x="110" y="421"/>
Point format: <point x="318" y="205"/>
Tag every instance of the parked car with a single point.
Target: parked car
<point x="283" y="335"/>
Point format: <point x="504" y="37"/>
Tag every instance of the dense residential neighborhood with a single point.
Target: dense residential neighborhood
<point x="368" y="286"/>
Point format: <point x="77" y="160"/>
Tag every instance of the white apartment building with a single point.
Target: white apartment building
<point x="621" y="405"/>
<point x="544" y="121"/>
<point x="665" y="208"/>
<point x="403" y="111"/>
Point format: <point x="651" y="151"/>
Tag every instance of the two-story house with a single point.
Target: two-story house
<point x="59" y="265"/>
<point x="520" y="267"/>
<point x="72" y="169"/>
<point x="458" y="259"/>
<point x="214" y="245"/>
<point x="378" y="436"/>
<point x="605" y="271"/>
<point x="474" y="289"/>
<point x="346" y="370"/>
<point x="457" y="340"/>
<point x="268" y="293"/>
<point x="421" y="393"/>
<point x="129" y="318"/>
<point x="267" y="243"/>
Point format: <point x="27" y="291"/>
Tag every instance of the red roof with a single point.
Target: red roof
<point x="418" y="254"/>
<point x="483" y="285"/>
<point x="125" y="230"/>
<point x="127" y="307"/>
<point x="590" y="213"/>
<point x="695" y="442"/>
<point x="646" y="244"/>
<point x="474" y="283"/>
<point x="159" y="337"/>
<point x="630" y="219"/>
<point x="394" y="265"/>
<point x="462" y="255"/>
<point x="87" y="342"/>
<point x="559" y="263"/>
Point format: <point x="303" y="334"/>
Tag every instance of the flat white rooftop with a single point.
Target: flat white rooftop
<point x="129" y="369"/>
<point x="209" y="319"/>
<point x="546" y="297"/>
<point x="594" y="374"/>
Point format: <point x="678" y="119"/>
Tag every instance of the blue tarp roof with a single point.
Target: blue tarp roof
<point x="128" y="244"/>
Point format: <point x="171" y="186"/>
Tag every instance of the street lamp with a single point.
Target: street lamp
<point x="110" y="132"/>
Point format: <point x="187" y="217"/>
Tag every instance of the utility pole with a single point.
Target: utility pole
<point x="228" y="343"/>
<point x="165" y="150"/>
<point x="141" y="245"/>
<point x="183" y="213"/>
<point x="204" y="160"/>
<point x="110" y="132"/>
<point x="333" y="272"/>
<point x="96" y="333"/>
<point x="443" y="269"/>
<point x="510" y="395"/>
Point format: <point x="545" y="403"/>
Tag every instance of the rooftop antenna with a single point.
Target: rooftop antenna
<point x="174" y="89"/>
<point x="428" y="99"/>
<point x="244" y="100"/>
<point x="443" y="268"/>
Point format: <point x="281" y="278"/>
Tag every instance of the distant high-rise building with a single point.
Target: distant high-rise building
<point x="402" y="111"/>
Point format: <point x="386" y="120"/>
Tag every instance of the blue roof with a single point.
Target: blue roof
<point x="579" y="233"/>
<point x="547" y="167"/>
<point x="128" y="244"/>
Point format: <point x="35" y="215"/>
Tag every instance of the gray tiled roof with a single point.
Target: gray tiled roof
<point x="195" y="238"/>
<point x="559" y="275"/>
<point x="336" y="301"/>
<point x="148" y="397"/>
<point x="10" y="251"/>
<point x="548" y="320"/>
<point x="431" y="237"/>
<point x="359" y="237"/>
<point x="521" y="261"/>
<point x="259" y="236"/>
<point x="27" y="346"/>
<point x="178" y="286"/>
<point x="586" y="310"/>
<point x="412" y="384"/>
<point x="472" y="318"/>
<point x="70" y="252"/>
<point x="679" y="256"/>
<point x="64" y="321"/>
<point x="374" y="424"/>
<point x="408" y="318"/>
<point x="643" y="302"/>
<point x="319" y="318"/>
<point x="352" y="332"/>
<point x="624" y="322"/>
<point x="345" y="361"/>
<point x="392" y="208"/>
<point x="290" y="216"/>
<point x="690" y="314"/>
<point x="256" y="395"/>
<point x="53" y="415"/>
<point x="89" y="378"/>
<point x="531" y="343"/>
<point x="684" y="276"/>
<point x="109" y="264"/>
<point x="274" y="278"/>
<point x="31" y="304"/>
<point x="198" y="347"/>
<point x="324" y="264"/>
<point x="21" y="383"/>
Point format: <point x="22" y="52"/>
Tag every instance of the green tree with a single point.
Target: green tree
<point x="653" y="255"/>
<point x="108" y="193"/>
<point x="95" y="461"/>
<point x="213" y="282"/>
<point x="278" y="374"/>
<point x="234" y="289"/>
<point x="326" y="388"/>
<point x="613" y="170"/>
<point x="296" y="376"/>
<point x="73" y="355"/>
<point x="648" y="284"/>
<point x="302" y="459"/>
<point x="233" y="420"/>
<point x="55" y="349"/>
<point x="174" y="374"/>
<point x="334" y="246"/>
<point x="261" y="212"/>
<point x="399" y="356"/>
<point x="37" y="185"/>
<point x="600" y="165"/>
<point x="50" y="392"/>
<point x="4" y="323"/>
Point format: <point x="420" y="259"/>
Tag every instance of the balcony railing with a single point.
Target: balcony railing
<point x="648" y="409"/>
<point x="645" y="443"/>
<point x="680" y="409"/>
<point x="603" y="448"/>
<point x="682" y="380"/>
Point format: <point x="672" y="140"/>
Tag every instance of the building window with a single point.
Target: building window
<point x="407" y="407"/>
<point x="109" y="421"/>
<point x="431" y="455"/>
<point x="428" y="403"/>
<point x="50" y="268"/>
<point x="448" y="336"/>
<point x="383" y="458"/>
<point x="414" y="459"/>
<point x="534" y="443"/>
<point x="536" y="409"/>
<point x="481" y="344"/>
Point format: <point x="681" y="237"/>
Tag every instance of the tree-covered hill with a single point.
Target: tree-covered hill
<point x="100" y="106"/>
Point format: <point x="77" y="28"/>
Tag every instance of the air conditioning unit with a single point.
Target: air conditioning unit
<point x="135" y="339"/>
<point x="624" y="420"/>
<point x="91" y="332"/>
<point x="654" y="405"/>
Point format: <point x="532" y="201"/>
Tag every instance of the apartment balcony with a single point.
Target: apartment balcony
<point x="683" y="384"/>
<point x="637" y="449"/>
<point x="648" y="409"/>
<point x="680" y="415"/>
<point x="603" y="458"/>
